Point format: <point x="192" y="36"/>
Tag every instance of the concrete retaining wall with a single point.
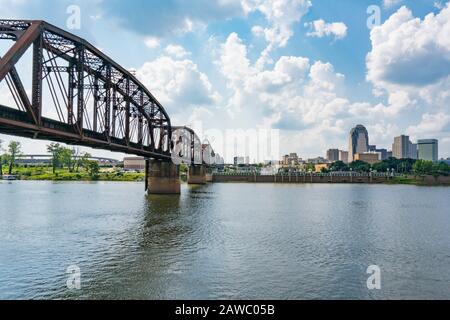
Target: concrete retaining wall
<point x="428" y="180"/>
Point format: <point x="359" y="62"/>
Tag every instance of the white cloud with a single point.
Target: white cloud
<point x="152" y="42"/>
<point x="320" y="29"/>
<point x="178" y="84"/>
<point x="410" y="63"/>
<point x="431" y="125"/>
<point x="391" y="3"/>
<point x="177" y="51"/>
<point x="407" y="51"/>
<point x="281" y="16"/>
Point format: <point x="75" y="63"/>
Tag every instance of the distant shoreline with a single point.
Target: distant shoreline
<point x="276" y="179"/>
<point x="328" y="179"/>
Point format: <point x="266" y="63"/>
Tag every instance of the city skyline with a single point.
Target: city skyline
<point x="306" y="68"/>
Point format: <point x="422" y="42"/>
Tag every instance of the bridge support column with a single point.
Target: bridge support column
<point x="209" y="175"/>
<point x="197" y="175"/>
<point x="162" y="177"/>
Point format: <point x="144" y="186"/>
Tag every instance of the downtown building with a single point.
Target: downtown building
<point x="358" y="142"/>
<point x="333" y="155"/>
<point x="343" y="156"/>
<point x="403" y="148"/>
<point x="428" y="149"/>
<point x="368" y="157"/>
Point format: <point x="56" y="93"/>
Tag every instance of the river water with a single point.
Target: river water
<point x="223" y="241"/>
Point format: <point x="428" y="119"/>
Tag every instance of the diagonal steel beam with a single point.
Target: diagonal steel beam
<point x="22" y="94"/>
<point x="18" y="49"/>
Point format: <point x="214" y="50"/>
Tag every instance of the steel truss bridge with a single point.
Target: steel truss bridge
<point x="78" y="95"/>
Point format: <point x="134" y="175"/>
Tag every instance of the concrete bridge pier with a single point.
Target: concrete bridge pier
<point x="162" y="177"/>
<point x="197" y="174"/>
<point x="209" y="175"/>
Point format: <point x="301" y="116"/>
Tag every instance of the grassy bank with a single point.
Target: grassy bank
<point x="419" y="181"/>
<point x="46" y="174"/>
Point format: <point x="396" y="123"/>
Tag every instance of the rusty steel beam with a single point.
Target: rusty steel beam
<point x="19" y="48"/>
<point x="23" y="94"/>
<point x="36" y="99"/>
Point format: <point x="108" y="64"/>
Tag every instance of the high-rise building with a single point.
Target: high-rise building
<point x="403" y="148"/>
<point x="343" y="156"/>
<point x="383" y="153"/>
<point x="412" y="150"/>
<point x="333" y="155"/>
<point x="428" y="149"/>
<point x="358" y="142"/>
<point x="369" y="157"/>
<point x="400" y="148"/>
<point x="291" y="159"/>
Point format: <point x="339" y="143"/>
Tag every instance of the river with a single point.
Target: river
<point x="223" y="241"/>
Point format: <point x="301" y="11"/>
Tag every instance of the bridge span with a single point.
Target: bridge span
<point x="80" y="96"/>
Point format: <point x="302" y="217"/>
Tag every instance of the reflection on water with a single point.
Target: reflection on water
<point x="223" y="241"/>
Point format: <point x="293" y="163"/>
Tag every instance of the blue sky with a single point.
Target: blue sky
<point x="312" y="69"/>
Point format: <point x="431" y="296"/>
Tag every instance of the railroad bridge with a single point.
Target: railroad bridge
<point x="78" y="95"/>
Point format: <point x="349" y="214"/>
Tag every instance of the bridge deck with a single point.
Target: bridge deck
<point x="18" y="123"/>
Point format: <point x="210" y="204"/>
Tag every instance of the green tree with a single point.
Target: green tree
<point x="324" y="170"/>
<point x="93" y="169"/>
<point x="310" y="167"/>
<point x="339" y="166"/>
<point x="66" y="158"/>
<point x="84" y="160"/>
<point x="56" y="150"/>
<point x="440" y="168"/>
<point x="360" y="166"/>
<point x="444" y="168"/>
<point x="13" y="152"/>
<point x="75" y="162"/>
<point x="423" y="167"/>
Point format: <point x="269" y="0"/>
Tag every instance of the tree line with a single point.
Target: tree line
<point x="406" y="166"/>
<point x="71" y="158"/>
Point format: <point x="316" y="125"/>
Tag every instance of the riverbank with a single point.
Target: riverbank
<point x="45" y="174"/>
<point x="336" y="179"/>
<point x="421" y="181"/>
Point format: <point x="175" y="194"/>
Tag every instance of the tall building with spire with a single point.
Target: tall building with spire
<point x="358" y="142"/>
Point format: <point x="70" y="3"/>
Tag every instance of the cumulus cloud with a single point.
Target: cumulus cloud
<point x="152" y="42"/>
<point x="410" y="64"/>
<point x="391" y="3"/>
<point x="407" y="51"/>
<point x="281" y="16"/>
<point x="431" y="125"/>
<point x="320" y="28"/>
<point x="178" y="84"/>
<point x="177" y="51"/>
<point x="294" y="93"/>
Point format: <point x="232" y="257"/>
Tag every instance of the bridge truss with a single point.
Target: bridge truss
<point x="78" y="95"/>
